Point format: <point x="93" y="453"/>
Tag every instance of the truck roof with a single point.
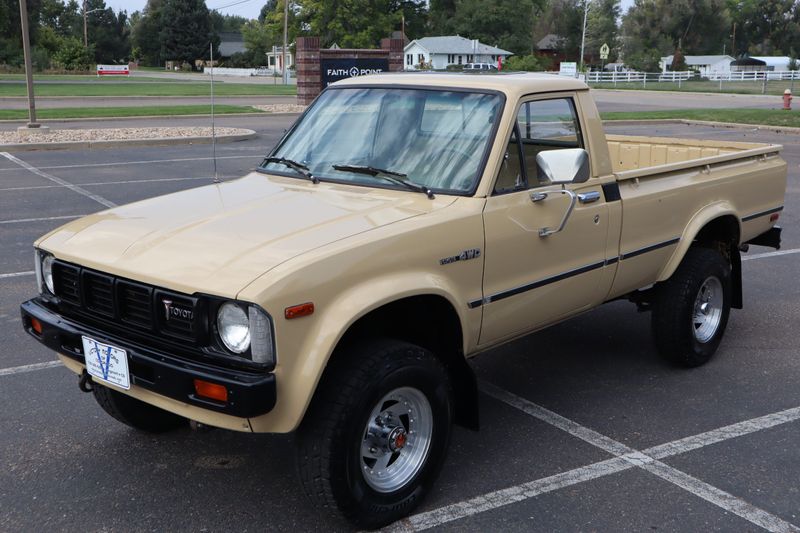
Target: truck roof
<point x="511" y="83"/>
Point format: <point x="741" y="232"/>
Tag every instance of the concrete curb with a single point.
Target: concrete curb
<point x="731" y="125"/>
<point x="91" y="145"/>
<point x="102" y="119"/>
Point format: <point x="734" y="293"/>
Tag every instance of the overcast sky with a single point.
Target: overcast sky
<point x="244" y="8"/>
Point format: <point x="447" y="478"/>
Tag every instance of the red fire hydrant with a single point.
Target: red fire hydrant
<point x="787" y="100"/>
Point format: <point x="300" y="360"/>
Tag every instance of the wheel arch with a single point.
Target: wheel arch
<point x="715" y="226"/>
<point x="432" y="322"/>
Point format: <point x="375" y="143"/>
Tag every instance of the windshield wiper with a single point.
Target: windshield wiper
<point x="388" y="175"/>
<point x="300" y="168"/>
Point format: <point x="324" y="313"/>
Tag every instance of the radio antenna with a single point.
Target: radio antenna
<point x="213" y="130"/>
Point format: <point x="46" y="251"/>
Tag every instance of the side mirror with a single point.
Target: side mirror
<point x="570" y="165"/>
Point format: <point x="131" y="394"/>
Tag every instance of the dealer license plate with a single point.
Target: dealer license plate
<point x="106" y="363"/>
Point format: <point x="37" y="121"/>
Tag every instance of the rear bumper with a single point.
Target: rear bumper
<point x="249" y="394"/>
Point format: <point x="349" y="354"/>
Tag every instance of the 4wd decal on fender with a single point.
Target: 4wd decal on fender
<point x="466" y="255"/>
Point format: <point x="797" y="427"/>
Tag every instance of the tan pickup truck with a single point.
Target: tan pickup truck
<point x="402" y="225"/>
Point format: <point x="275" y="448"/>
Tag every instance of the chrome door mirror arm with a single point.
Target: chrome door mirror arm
<point x="537" y="197"/>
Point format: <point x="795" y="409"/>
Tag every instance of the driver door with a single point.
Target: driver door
<point x="532" y="280"/>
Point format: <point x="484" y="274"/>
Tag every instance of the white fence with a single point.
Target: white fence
<point x="638" y="77"/>
<point x="755" y="76"/>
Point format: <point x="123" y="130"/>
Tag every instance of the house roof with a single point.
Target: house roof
<point x="455" y="44"/>
<point x="774" y="61"/>
<point x="551" y="41"/>
<point x="697" y="61"/>
<point x="231" y="42"/>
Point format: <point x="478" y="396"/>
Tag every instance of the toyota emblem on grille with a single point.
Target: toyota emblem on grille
<point x="172" y="311"/>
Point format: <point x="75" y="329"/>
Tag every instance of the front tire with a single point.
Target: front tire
<point x="691" y="308"/>
<point x="135" y="413"/>
<point x="376" y="433"/>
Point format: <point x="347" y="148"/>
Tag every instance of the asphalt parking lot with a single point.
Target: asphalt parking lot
<point x="583" y="427"/>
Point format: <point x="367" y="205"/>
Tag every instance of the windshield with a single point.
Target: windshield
<point x="434" y="138"/>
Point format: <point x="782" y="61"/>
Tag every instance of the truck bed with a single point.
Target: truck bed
<point x="633" y="153"/>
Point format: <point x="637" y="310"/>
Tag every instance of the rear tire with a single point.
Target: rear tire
<point x="691" y="308"/>
<point x="376" y="434"/>
<point x="135" y="413"/>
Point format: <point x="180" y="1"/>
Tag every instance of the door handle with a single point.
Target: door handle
<point x="538" y="196"/>
<point x="588" y="197"/>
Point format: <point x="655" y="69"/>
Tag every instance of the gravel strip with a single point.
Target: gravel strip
<point x="281" y="108"/>
<point x="113" y="134"/>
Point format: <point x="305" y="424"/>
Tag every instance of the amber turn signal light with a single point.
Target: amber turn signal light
<point x="211" y="391"/>
<point x="36" y="326"/>
<point x="296" y="311"/>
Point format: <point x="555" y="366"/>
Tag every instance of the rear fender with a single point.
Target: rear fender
<point x="693" y="228"/>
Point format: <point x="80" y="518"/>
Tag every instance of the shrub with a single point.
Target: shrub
<point x="73" y="56"/>
<point x="529" y="63"/>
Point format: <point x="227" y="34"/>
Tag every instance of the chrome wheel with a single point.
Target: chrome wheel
<point x="708" y="309"/>
<point x="396" y="440"/>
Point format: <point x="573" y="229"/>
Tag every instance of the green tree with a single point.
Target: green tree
<point x="73" y="55"/>
<point x="655" y="28"/>
<point x="349" y="23"/>
<point x="507" y="24"/>
<point x="109" y="32"/>
<point x="221" y="23"/>
<point x="602" y="28"/>
<point x="765" y="27"/>
<point x="145" y="33"/>
<point x="185" y="30"/>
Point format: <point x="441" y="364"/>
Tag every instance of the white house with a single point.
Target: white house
<point x="438" y="52"/>
<point x="705" y="65"/>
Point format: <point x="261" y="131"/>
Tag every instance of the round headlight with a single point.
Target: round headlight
<point x="234" y="327"/>
<point x="47" y="273"/>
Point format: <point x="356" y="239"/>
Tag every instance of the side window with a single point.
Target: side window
<point x="510" y="178"/>
<point x="547" y="125"/>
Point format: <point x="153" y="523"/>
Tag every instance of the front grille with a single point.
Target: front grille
<point x="98" y="293"/>
<point x="134" y="306"/>
<point x="66" y="279"/>
<point x="135" y="303"/>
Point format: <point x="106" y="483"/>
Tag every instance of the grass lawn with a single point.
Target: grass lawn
<point x="93" y="112"/>
<point x="735" y="87"/>
<point x="87" y="78"/>
<point x="771" y="117"/>
<point x="93" y="86"/>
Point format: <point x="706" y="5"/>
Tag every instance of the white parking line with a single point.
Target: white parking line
<point x="646" y="460"/>
<point x="42" y="219"/>
<point x="771" y="254"/>
<point x="17" y="274"/>
<point x="209" y="179"/>
<point x="718" y="497"/>
<point x="28" y="368"/>
<point x="142" y="162"/>
<point x="74" y="188"/>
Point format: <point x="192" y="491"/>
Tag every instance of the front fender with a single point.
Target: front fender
<point x="702" y="218"/>
<point x="304" y="355"/>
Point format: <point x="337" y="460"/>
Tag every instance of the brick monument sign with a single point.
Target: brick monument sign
<point x="317" y="68"/>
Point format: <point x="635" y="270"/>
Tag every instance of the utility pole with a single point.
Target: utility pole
<point x="583" y="34"/>
<point x="285" y="41"/>
<point x="85" y="24"/>
<point x="26" y="48"/>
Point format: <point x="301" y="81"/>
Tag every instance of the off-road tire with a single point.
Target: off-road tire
<point x="328" y="442"/>
<point x="674" y="308"/>
<point x="135" y="413"/>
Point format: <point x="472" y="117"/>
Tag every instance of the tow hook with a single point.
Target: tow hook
<point x="85" y="382"/>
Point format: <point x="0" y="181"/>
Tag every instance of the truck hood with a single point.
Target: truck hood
<point x="218" y="238"/>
